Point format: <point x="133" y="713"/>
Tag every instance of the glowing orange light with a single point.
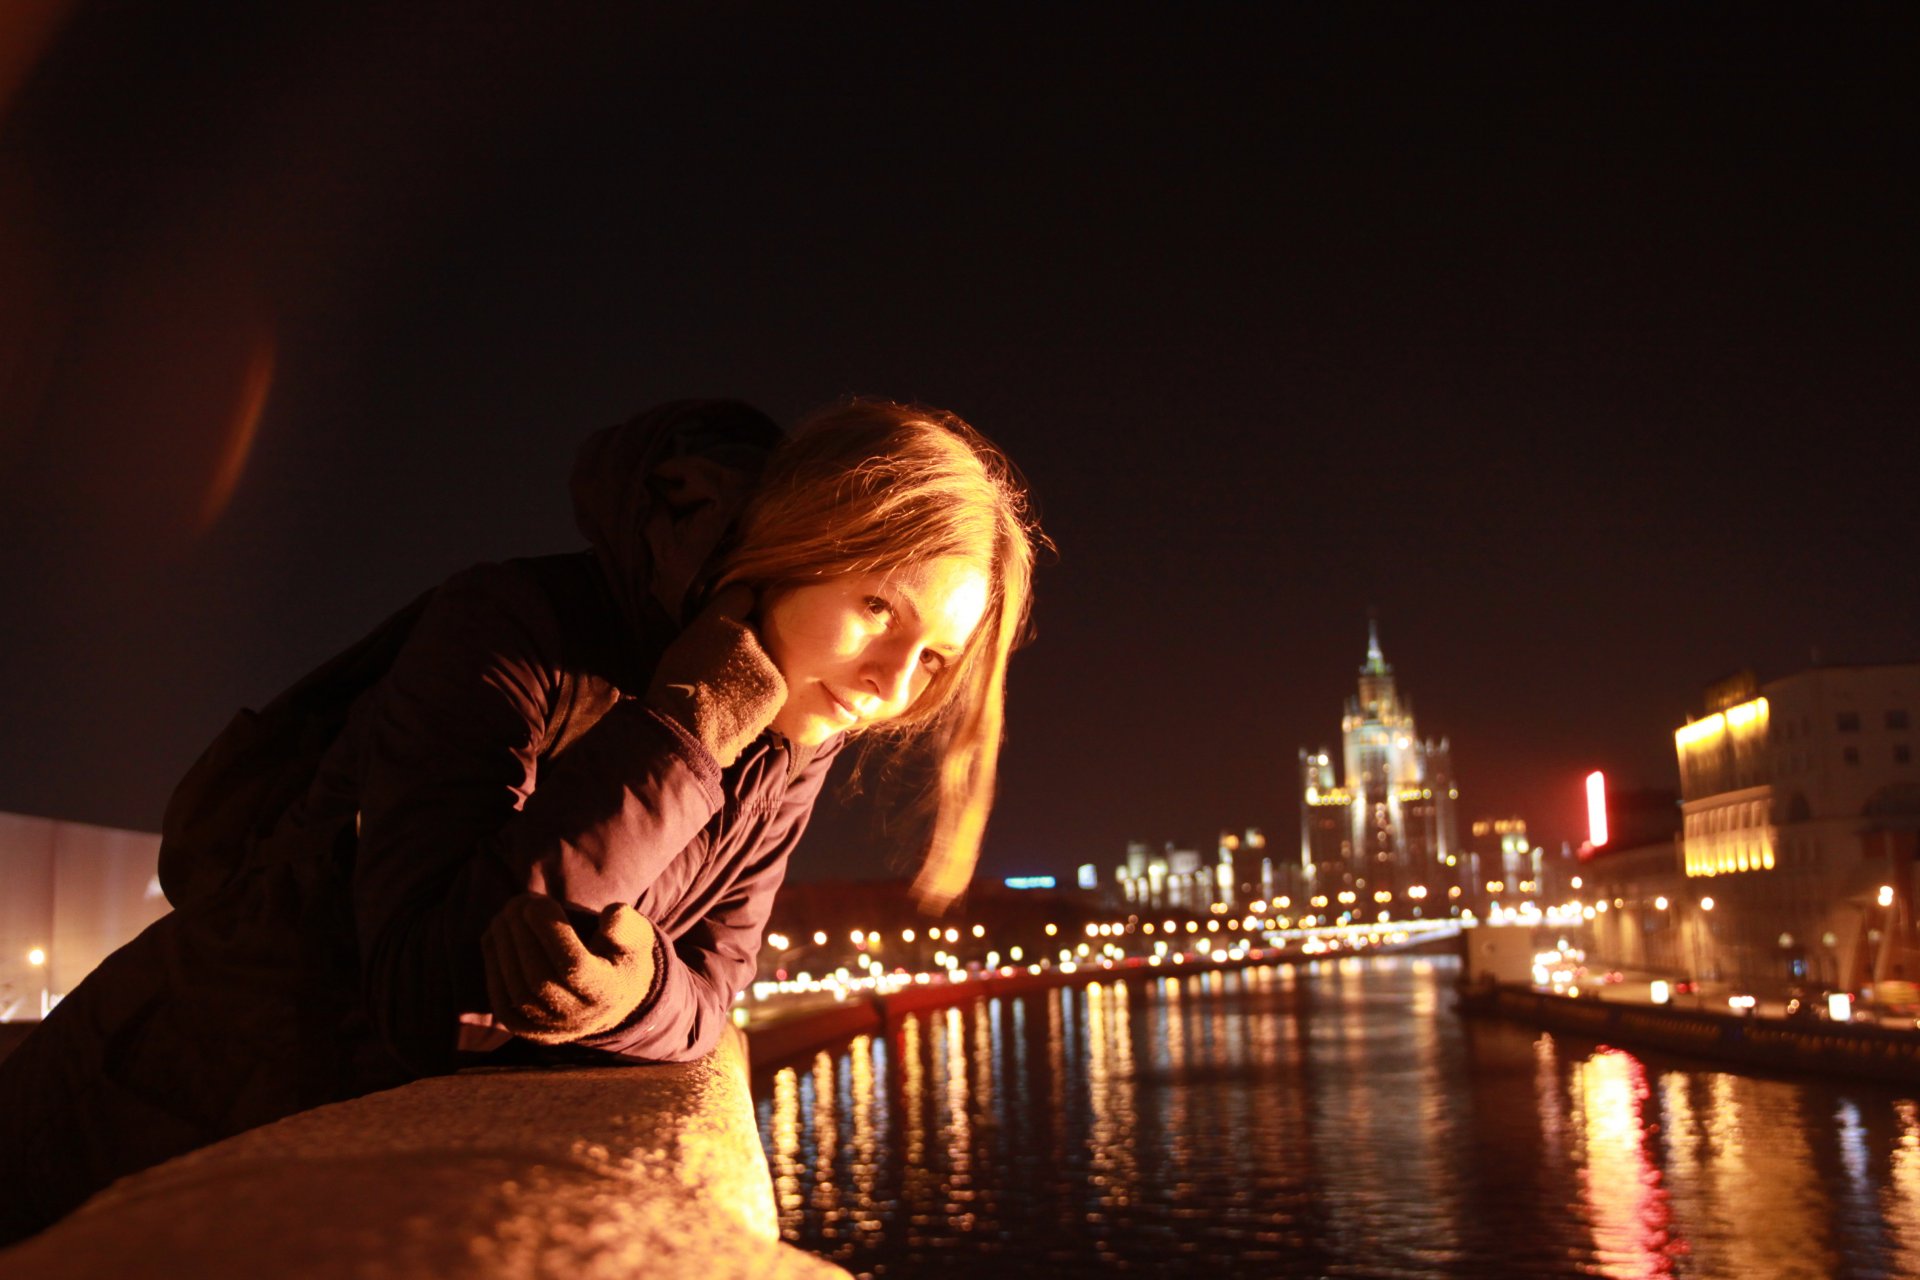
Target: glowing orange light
<point x="256" y="380"/>
<point x="27" y="29"/>
<point x="1597" y="808"/>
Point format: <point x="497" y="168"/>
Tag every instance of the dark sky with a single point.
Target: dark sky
<point x="1578" y="343"/>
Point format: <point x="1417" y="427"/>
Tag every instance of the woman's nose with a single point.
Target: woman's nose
<point x="890" y="670"/>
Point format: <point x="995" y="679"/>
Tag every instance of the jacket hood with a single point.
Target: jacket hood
<point x="656" y="497"/>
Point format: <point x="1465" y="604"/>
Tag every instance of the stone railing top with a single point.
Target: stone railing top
<point x="578" y="1173"/>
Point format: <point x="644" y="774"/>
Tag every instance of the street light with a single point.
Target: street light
<point x="37" y="957"/>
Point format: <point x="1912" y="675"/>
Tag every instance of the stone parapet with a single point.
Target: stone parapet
<point x="574" y="1173"/>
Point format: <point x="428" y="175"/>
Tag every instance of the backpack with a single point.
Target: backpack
<point x="263" y="762"/>
<point x="666" y="485"/>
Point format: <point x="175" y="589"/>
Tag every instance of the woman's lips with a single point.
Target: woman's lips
<point x="841" y="705"/>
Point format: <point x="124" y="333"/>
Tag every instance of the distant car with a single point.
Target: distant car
<point x="1686" y="987"/>
<point x="1614" y="975"/>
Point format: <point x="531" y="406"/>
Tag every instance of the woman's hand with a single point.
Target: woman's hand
<point x="547" y="986"/>
<point x="716" y="679"/>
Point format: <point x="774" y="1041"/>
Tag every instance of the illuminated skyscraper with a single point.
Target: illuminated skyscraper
<point x="1391" y="824"/>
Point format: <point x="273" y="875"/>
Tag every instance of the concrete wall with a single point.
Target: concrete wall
<point x="576" y="1174"/>
<point x="74" y="892"/>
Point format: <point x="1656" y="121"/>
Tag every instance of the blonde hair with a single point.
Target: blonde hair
<point x="866" y="486"/>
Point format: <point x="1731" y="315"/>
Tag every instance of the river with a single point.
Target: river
<point x="1334" y="1119"/>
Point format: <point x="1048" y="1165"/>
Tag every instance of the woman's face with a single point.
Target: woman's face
<point x="857" y="650"/>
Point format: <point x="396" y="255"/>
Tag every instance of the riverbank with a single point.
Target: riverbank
<point x="1755" y="1041"/>
<point x="785" y="1028"/>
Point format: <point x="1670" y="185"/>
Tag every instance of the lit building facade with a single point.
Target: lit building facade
<point x="1800" y="804"/>
<point x="1390" y="822"/>
<point x="1502" y="851"/>
<point x="1179" y="879"/>
<point x="1499" y="863"/>
<point x="1165" y="878"/>
<point x="1644" y="918"/>
<point x="1246" y="873"/>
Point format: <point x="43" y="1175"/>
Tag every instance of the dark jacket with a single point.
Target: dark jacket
<point x="504" y="751"/>
<point x="457" y="812"/>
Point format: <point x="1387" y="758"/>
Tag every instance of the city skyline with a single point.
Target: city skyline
<point x="1577" y="346"/>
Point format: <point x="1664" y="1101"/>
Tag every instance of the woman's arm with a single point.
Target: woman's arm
<point x="715" y="958"/>
<point x="617" y="984"/>
<point x="453" y="823"/>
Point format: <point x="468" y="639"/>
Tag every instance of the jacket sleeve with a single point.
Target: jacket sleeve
<point x="452" y="823"/>
<point x="714" y="959"/>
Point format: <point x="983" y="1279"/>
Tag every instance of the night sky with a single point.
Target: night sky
<point x="1579" y="343"/>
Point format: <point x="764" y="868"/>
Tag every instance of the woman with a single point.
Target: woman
<point x="551" y="819"/>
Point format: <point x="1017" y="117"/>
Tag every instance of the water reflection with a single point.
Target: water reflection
<point x="826" y="1135"/>
<point x="1110" y="1085"/>
<point x="1903" y="1192"/>
<point x="865" y="1102"/>
<point x="783" y="1147"/>
<point x="1332" y="1120"/>
<point x="1627" y="1204"/>
<point x="955" y="1123"/>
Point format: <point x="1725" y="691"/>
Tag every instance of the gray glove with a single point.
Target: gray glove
<point x="547" y="986"/>
<point x="716" y="679"/>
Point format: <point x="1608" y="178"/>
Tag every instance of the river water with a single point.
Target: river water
<point x="1336" y="1119"/>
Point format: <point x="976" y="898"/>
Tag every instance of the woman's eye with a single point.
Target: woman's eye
<point x="878" y="608"/>
<point x="934" y="662"/>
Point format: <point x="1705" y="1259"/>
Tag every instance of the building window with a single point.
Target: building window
<point x="1902" y="753"/>
<point x="1851" y="755"/>
<point x="1848" y="721"/>
<point x="1897" y="718"/>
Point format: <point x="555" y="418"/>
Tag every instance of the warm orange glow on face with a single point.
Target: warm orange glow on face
<point x="859" y="649"/>
<point x="243" y="423"/>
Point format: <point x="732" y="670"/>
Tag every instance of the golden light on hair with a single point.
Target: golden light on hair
<point x="871" y="485"/>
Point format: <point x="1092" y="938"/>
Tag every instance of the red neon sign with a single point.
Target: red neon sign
<point x="1596" y="808"/>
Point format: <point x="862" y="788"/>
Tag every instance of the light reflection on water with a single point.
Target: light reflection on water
<point x="1336" y="1120"/>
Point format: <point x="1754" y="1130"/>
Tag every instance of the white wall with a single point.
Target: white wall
<point x="74" y="891"/>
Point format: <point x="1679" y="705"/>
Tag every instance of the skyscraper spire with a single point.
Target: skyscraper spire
<point x="1376" y="661"/>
